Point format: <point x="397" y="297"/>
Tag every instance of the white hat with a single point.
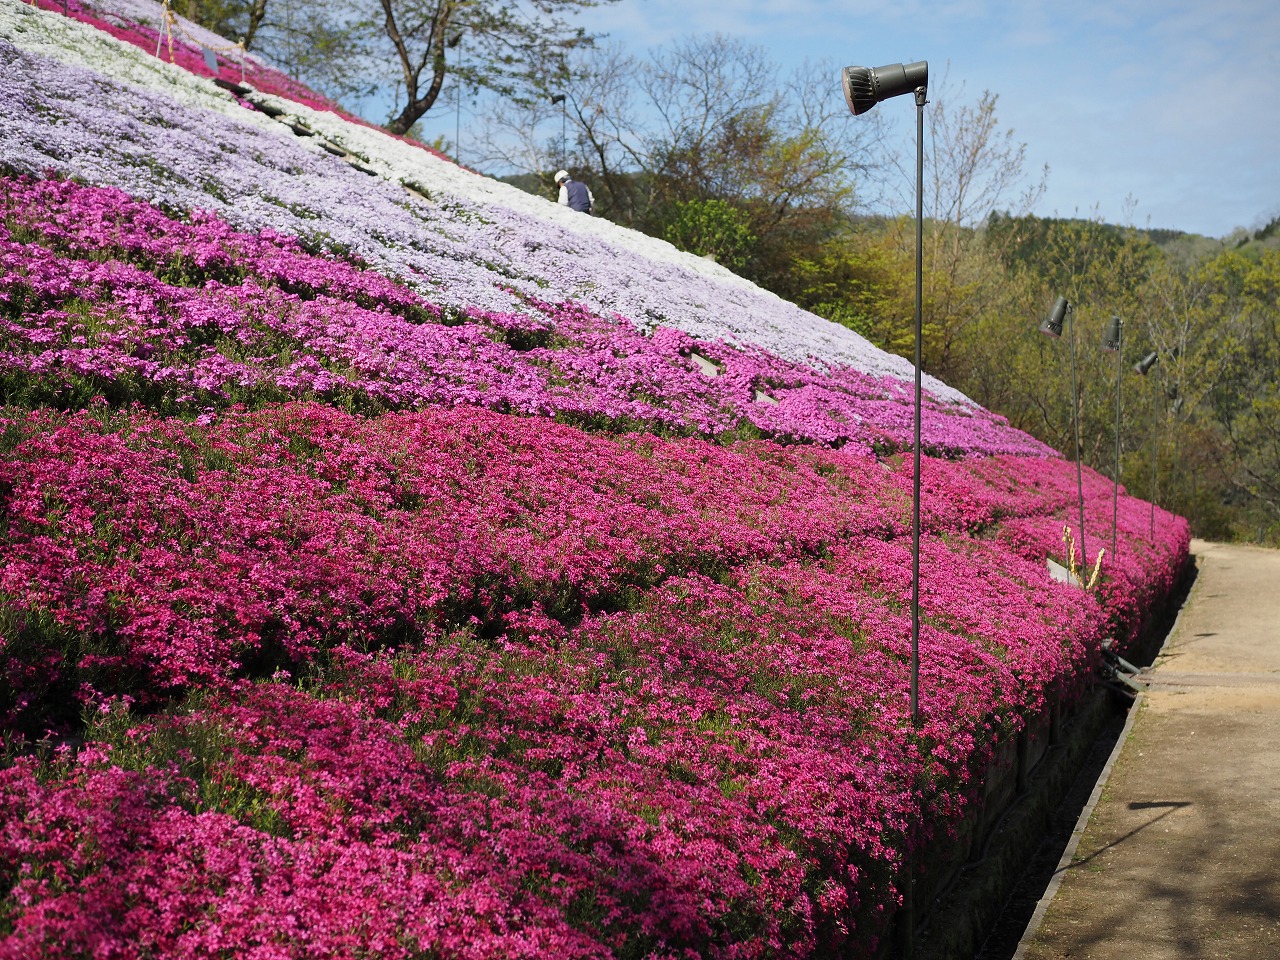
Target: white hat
<point x="562" y="175"/>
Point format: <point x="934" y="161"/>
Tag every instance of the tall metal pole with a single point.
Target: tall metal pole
<point x="1177" y="503"/>
<point x="457" y="114"/>
<point x="863" y="89"/>
<point x="920" y="94"/>
<point x="908" y="893"/>
<point x="1075" y="419"/>
<point x="1115" y="488"/>
<point x="1155" y="458"/>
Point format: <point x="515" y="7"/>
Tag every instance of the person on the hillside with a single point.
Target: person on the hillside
<point x="574" y="195"/>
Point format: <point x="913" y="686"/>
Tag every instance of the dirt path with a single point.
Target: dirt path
<point x="1181" y="857"/>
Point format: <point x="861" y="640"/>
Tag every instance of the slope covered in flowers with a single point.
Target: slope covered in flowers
<point x="398" y="565"/>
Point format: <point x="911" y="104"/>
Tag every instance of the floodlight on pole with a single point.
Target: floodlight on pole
<point x="1112" y="336"/>
<point x="1143" y="367"/>
<point x="864" y="87"/>
<point x="1111" y="343"/>
<point x="1051" y="326"/>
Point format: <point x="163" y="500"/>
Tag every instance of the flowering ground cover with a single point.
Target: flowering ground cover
<point x="88" y="106"/>
<point x="450" y="577"/>
<point x="140" y="23"/>
<point x="105" y="295"/>
<point x="706" y="643"/>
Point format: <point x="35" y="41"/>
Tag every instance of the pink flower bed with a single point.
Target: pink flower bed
<point x="365" y="592"/>
<point x="642" y="695"/>
<point x="102" y="294"/>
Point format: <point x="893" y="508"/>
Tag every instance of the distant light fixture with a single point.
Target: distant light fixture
<point x="1051" y="326"/>
<point x="454" y="41"/>
<point x="1111" y="338"/>
<point x="1144" y="365"/>
<point x="564" y="112"/>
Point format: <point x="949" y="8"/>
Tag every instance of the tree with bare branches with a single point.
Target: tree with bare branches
<point x="512" y="47"/>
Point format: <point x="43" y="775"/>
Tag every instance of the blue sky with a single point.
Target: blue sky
<point x="1163" y="113"/>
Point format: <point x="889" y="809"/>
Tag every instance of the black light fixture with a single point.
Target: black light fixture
<point x="1111" y="343"/>
<point x="1143" y="367"/>
<point x="1111" y="337"/>
<point x="864" y="87"/>
<point x="1051" y="326"/>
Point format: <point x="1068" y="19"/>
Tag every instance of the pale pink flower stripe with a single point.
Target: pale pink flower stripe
<point x="108" y="292"/>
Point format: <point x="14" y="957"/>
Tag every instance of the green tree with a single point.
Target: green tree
<point x="863" y="278"/>
<point x="974" y="167"/>
<point x="730" y="127"/>
<point x="1243" y="396"/>
<point x="706" y="119"/>
<point x="711" y="228"/>
<point x="324" y="44"/>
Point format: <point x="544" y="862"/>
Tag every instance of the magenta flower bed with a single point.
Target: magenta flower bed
<point x="391" y="577"/>
<point x="610" y="696"/>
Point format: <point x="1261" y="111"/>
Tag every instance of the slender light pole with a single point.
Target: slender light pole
<point x="456" y="41"/>
<point x="1143" y="367"/>
<point x="1051" y="326"/>
<point x="920" y="95"/>
<point x="864" y="87"/>
<point x="559" y="98"/>
<point x="1111" y="343"/>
